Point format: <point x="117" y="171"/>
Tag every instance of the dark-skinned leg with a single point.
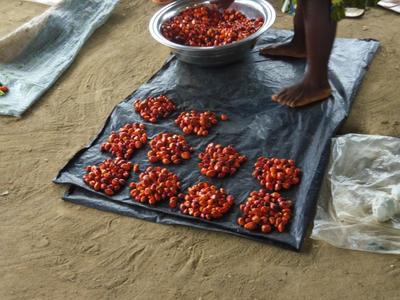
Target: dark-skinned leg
<point x="320" y="33"/>
<point x="296" y="48"/>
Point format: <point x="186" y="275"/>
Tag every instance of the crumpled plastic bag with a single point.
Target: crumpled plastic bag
<point x="37" y="53"/>
<point x="359" y="192"/>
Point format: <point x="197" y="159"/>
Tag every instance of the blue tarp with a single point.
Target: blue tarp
<point x="59" y="34"/>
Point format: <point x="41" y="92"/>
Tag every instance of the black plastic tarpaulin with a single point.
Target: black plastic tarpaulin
<point x="257" y="126"/>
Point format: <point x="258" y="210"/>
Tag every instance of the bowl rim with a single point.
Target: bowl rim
<point x="158" y="36"/>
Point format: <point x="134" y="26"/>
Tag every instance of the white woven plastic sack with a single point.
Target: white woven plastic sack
<point x="37" y="53"/>
<point x="359" y="203"/>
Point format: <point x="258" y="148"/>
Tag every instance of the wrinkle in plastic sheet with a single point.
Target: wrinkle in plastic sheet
<point x="257" y="126"/>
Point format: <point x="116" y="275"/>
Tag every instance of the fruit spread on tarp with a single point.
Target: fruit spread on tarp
<point x="256" y="127"/>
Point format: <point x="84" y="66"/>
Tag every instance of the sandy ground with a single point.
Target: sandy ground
<point x="50" y="249"/>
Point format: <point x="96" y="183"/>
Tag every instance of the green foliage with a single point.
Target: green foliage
<point x="338" y="6"/>
<point x="338" y="10"/>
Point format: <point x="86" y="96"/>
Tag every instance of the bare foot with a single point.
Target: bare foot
<point x="285" y="50"/>
<point x="303" y="93"/>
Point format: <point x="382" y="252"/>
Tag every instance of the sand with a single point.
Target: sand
<point x="50" y="249"/>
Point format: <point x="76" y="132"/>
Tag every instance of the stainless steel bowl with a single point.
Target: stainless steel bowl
<point x="216" y="55"/>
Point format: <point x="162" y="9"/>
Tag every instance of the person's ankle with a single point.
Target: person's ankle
<point x="318" y="82"/>
<point x="298" y="43"/>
